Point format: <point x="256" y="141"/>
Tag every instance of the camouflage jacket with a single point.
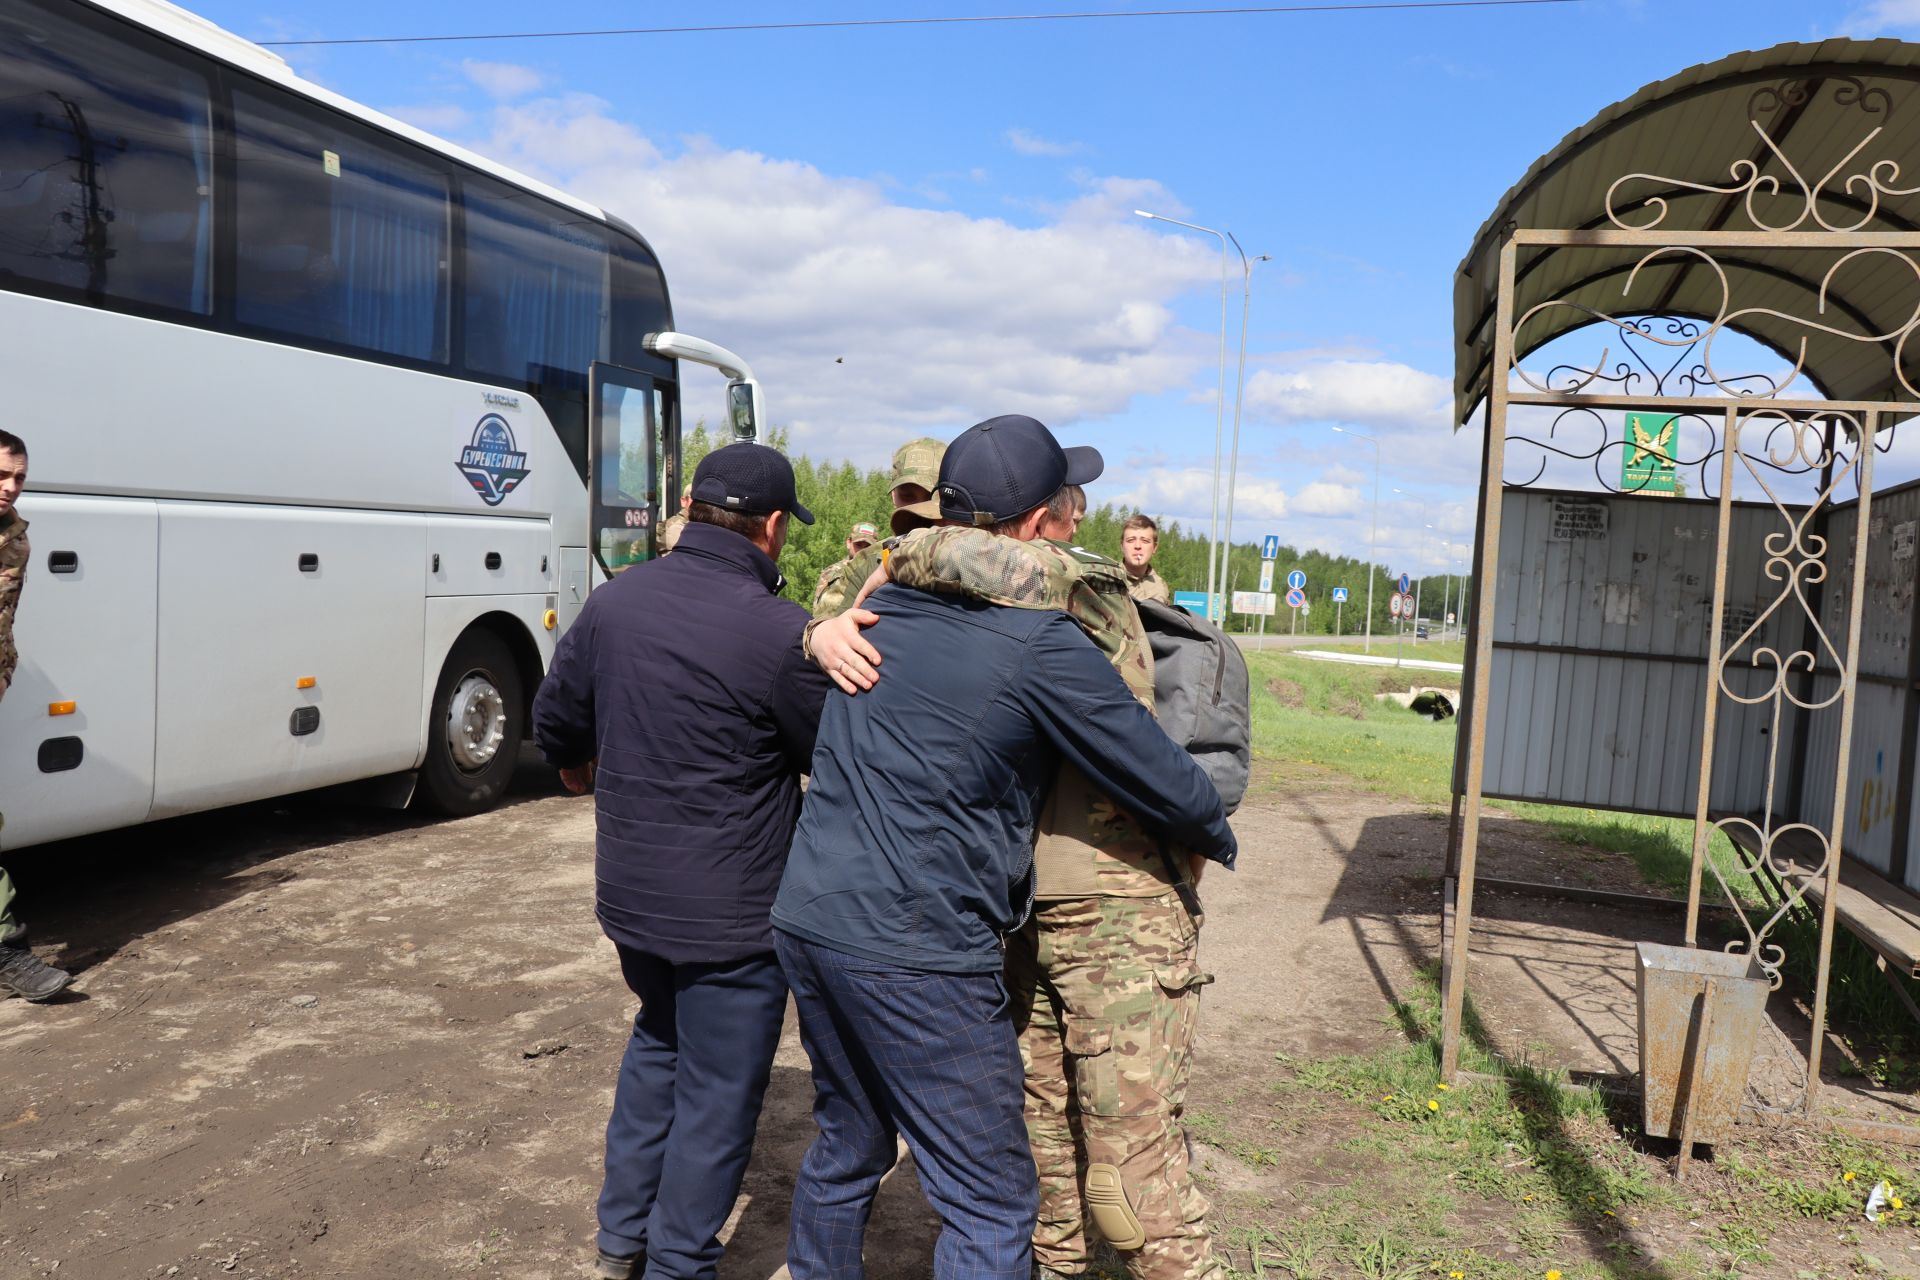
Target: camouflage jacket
<point x="14" y="552"/>
<point x="670" y="529"/>
<point x="1150" y="586"/>
<point x="840" y="583"/>
<point x="1087" y="846"/>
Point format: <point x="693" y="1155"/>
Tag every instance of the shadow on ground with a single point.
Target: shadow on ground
<point x="85" y="900"/>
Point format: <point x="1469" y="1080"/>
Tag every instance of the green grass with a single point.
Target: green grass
<point x="1325" y="715"/>
<point x="1523" y="1138"/>
<point x="1384" y="647"/>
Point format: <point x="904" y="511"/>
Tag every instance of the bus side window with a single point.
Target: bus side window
<point x="106" y="170"/>
<point x="342" y="238"/>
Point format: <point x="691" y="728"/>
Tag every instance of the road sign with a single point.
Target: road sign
<point x="1297" y="580"/>
<point x="1260" y="602"/>
<point x="1192" y="601"/>
<point x="1450" y="619"/>
<point x="1406" y="584"/>
<point x="1266" y="575"/>
<point x="1394" y="604"/>
<point x="1270" y="547"/>
<point x="1296" y="598"/>
<point x="1339" y="595"/>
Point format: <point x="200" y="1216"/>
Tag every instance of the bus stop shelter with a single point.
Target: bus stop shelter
<point x="1691" y="599"/>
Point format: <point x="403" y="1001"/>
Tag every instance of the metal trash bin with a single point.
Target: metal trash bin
<point x="1686" y="1085"/>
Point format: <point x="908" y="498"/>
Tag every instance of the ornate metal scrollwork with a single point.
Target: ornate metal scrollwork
<point x="1796" y="559"/>
<point x="1848" y="91"/>
<point x="1726" y="316"/>
<point x="1756" y="187"/>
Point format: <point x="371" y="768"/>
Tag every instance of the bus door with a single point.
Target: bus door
<point x="629" y="446"/>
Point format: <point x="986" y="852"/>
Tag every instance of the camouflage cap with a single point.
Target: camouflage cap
<point x="918" y="462"/>
<point x="865" y="531"/>
<point x="915" y="515"/>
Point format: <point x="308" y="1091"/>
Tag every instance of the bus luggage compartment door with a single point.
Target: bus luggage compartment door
<point x="76" y="727"/>
<point x="291" y="650"/>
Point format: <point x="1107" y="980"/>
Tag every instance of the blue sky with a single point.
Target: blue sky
<point x="950" y="208"/>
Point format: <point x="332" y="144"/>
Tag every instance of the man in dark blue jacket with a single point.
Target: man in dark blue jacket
<point x="681" y="693"/>
<point x="914" y="858"/>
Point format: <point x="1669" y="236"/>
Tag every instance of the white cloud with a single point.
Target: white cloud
<point x="1322" y="499"/>
<point x="1186" y="495"/>
<point x="1027" y="143"/>
<point x="502" y="80"/>
<point x="1365" y="392"/>
<point x="942" y="318"/>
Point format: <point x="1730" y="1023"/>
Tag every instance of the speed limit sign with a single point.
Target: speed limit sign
<point x="1396" y="604"/>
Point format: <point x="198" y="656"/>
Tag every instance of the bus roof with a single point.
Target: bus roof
<point x="216" y="41"/>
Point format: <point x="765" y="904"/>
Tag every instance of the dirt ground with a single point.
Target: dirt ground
<point x="309" y="1040"/>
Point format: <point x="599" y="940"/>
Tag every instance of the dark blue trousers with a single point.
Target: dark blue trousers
<point x="929" y="1055"/>
<point x="685" y="1107"/>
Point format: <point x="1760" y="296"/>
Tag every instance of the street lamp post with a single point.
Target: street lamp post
<point x="1373" y="539"/>
<point x="1239" y="397"/>
<point x="1219" y="405"/>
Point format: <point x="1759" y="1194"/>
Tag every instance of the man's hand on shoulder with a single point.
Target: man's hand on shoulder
<point x="837" y="648"/>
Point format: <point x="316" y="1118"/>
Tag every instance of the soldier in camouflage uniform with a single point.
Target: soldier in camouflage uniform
<point x="1105" y="976"/>
<point x="859" y="538"/>
<point x="671" y="527"/>
<point x="21" y="973"/>
<point x="1139" y="539"/>
<point x="916" y="469"/>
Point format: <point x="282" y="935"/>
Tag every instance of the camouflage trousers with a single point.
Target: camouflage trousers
<point x="1106" y="995"/>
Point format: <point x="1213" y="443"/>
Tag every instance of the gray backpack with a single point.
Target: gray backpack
<point x="1200" y="693"/>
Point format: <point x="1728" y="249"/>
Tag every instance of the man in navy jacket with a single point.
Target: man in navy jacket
<point x="914" y="858"/>
<point x="682" y="696"/>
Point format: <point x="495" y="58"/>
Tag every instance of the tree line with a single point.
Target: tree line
<point x="841" y="495"/>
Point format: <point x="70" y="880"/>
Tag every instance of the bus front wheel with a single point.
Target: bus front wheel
<point x="473" y="736"/>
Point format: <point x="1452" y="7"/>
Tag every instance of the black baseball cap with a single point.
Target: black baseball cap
<point x="1001" y="467"/>
<point x="749" y="478"/>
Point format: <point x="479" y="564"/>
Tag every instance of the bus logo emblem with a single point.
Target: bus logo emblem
<point x="491" y="464"/>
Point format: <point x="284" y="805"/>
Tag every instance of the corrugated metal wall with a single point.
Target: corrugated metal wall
<point x="1881" y="707"/>
<point x="1600" y="647"/>
<point x="1599" y="665"/>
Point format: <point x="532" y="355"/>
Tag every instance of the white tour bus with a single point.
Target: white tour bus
<point x="332" y="427"/>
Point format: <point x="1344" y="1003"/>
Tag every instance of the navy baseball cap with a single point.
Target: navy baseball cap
<point x="999" y="468"/>
<point x="749" y="478"/>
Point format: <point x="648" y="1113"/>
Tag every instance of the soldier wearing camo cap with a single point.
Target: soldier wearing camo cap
<point x="916" y="470"/>
<point x="859" y="538"/>
<point x="1105" y="977"/>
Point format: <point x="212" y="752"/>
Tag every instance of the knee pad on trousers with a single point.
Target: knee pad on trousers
<point x="1112" y="1212"/>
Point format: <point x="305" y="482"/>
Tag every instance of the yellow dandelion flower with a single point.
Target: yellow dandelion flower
<point x="1445" y="1087"/>
<point x="1553" y="1275"/>
<point x="1847" y="1176"/>
<point x="1433" y="1105"/>
<point x="1898" y="1203"/>
<point x="1456" y="1275"/>
<point x="1389" y="1098"/>
<point x="1528" y="1196"/>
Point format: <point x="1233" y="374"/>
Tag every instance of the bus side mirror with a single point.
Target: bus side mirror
<point x="743" y="409"/>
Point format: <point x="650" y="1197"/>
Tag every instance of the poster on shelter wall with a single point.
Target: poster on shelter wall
<point x="1579" y="520"/>
<point x="1647" y="464"/>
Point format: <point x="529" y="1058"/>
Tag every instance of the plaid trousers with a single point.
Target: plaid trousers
<point x="932" y="1056"/>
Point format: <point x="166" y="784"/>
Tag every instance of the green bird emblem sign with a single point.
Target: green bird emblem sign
<point x="1648" y="463"/>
